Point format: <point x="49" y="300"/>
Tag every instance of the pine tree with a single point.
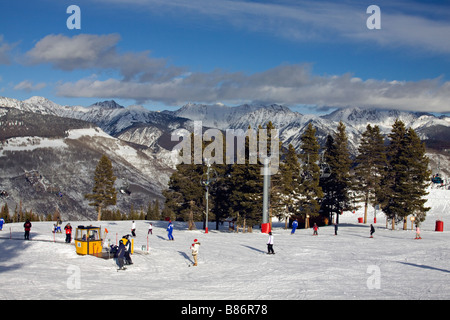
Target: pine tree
<point x="290" y="191"/>
<point x="185" y="196"/>
<point x="310" y="190"/>
<point x="5" y="213"/>
<point x="370" y="167"/>
<point x="406" y="177"/>
<point x="246" y="185"/>
<point x="103" y="193"/>
<point x="336" y="188"/>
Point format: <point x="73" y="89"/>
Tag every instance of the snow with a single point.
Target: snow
<point x="233" y="266"/>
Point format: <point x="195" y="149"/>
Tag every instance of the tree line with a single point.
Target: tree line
<point x="312" y="185"/>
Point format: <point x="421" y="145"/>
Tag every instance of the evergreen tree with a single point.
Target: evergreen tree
<point x="370" y="167"/>
<point x="5" y="213"/>
<point x="185" y="196"/>
<point x="103" y="193"/>
<point x="290" y="191"/>
<point x="337" y="187"/>
<point x="407" y="175"/>
<point x="310" y="190"/>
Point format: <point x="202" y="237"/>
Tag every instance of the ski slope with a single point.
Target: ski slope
<point x="233" y="266"/>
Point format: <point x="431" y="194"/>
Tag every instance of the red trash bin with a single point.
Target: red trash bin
<point x="360" y="220"/>
<point x="439" y="226"/>
<point x="265" y="228"/>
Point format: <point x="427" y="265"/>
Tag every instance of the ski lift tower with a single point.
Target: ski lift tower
<point x="265" y="226"/>
<point x="206" y="183"/>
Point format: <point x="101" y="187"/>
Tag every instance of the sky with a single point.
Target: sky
<point x="310" y="55"/>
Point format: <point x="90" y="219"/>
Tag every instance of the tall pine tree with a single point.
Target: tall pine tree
<point x="370" y="167"/>
<point x="310" y="190"/>
<point x="103" y="193"/>
<point x="407" y="175"/>
<point x="336" y="188"/>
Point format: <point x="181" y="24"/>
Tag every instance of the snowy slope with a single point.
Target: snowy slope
<point x="234" y="266"/>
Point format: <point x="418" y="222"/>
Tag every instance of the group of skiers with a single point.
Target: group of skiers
<point x="122" y="253"/>
<point x="123" y="250"/>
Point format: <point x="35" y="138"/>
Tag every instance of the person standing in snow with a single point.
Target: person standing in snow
<point x="418" y="232"/>
<point x="68" y="229"/>
<point x="133" y="229"/>
<point x="119" y="255"/>
<point x="270" y="244"/>
<point x="27" y="226"/>
<point x="150" y="229"/>
<point x="294" y="226"/>
<point x="372" y="231"/>
<point x="127" y="243"/>
<point x="170" y="230"/>
<point x="194" y="248"/>
<point x="315" y="228"/>
<point x="2" y="221"/>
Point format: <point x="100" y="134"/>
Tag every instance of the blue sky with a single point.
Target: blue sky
<point x="163" y="54"/>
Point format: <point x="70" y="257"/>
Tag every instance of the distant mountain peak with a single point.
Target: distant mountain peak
<point x="107" y="104"/>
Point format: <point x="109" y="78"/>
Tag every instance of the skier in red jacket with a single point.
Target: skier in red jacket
<point x="27" y="226"/>
<point x="68" y="229"/>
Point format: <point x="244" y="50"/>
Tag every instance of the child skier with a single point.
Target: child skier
<point x="194" y="249"/>
<point x="150" y="229"/>
<point x="170" y="230"/>
<point x="270" y="244"/>
<point x="315" y="228"/>
<point x="418" y="232"/>
<point x="372" y="231"/>
<point x="294" y="226"/>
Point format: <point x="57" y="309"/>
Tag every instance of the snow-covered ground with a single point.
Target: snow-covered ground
<point x="233" y="266"/>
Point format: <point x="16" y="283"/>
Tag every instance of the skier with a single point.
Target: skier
<point x="372" y="231"/>
<point x="194" y="249"/>
<point x="418" y="232"/>
<point x="127" y="243"/>
<point x="294" y="226"/>
<point x="133" y="229"/>
<point x="150" y="229"/>
<point x="119" y="255"/>
<point x="315" y="228"/>
<point x="270" y="244"/>
<point x="170" y="230"/>
<point x="27" y="226"/>
<point x="2" y="221"/>
<point x="68" y="229"/>
<point x="58" y="226"/>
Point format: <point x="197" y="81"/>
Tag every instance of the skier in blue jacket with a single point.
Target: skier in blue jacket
<point x="294" y="226"/>
<point x="170" y="230"/>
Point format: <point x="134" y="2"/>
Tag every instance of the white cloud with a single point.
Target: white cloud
<point x="99" y="52"/>
<point x="287" y="84"/>
<point x="28" y="86"/>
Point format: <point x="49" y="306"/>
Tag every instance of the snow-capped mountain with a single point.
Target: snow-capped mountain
<point x="37" y="135"/>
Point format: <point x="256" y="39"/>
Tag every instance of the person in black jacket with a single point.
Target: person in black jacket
<point x="119" y="255"/>
<point x="27" y="226"/>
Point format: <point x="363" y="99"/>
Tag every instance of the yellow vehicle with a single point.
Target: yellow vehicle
<point x="88" y="240"/>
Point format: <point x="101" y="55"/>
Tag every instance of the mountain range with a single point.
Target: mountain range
<point x="59" y="146"/>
